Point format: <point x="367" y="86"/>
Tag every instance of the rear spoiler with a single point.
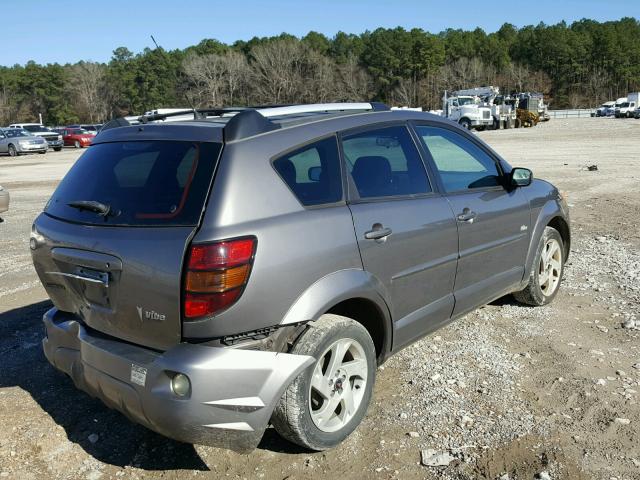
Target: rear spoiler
<point x="246" y="122"/>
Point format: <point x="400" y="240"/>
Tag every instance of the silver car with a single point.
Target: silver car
<point x="15" y="141"/>
<point x="4" y="200"/>
<point x="254" y="265"/>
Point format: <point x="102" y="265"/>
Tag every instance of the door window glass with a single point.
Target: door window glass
<point x="461" y="163"/>
<point x="385" y="163"/>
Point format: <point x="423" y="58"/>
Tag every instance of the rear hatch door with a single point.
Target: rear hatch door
<point x="110" y="244"/>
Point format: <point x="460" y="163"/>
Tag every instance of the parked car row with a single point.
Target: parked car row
<point x="20" y="138"/>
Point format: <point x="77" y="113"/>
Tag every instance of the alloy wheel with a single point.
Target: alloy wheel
<point x="338" y="385"/>
<point x="550" y="267"/>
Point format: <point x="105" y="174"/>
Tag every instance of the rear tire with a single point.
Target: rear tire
<point x="12" y="151"/>
<point x="327" y="401"/>
<point x="546" y="271"/>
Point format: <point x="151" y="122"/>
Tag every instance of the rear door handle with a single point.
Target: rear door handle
<point x="467" y="216"/>
<point x="378" y="232"/>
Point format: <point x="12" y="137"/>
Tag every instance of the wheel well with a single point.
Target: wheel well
<point x="562" y="227"/>
<point x="369" y="316"/>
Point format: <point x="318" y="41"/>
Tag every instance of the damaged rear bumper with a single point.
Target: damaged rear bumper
<point x="233" y="392"/>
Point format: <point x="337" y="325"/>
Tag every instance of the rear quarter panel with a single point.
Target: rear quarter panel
<point x="296" y="246"/>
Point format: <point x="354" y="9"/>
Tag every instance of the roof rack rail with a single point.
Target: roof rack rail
<point x="321" y="108"/>
<point x="248" y="121"/>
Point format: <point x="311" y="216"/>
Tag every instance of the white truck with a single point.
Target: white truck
<point x="626" y="106"/>
<point x="504" y="115"/>
<point x="467" y="110"/>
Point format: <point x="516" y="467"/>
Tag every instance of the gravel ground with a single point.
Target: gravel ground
<point x="507" y="392"/>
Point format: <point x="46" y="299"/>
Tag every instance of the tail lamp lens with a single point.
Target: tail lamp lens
<point x="221" y="254"/>
<point x="216" y="275"/>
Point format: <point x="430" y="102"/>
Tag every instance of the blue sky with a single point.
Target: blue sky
<point x="64" y="31"/>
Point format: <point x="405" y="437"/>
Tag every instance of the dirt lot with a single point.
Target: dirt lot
<point x="507" y="392"/>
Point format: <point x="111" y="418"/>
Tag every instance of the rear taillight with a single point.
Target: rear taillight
<point x="215" y="276"/>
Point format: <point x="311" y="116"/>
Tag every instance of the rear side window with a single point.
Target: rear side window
<point x="385" y="163"/>
<point x="155" y="183"/>
<point x="313" y="172"/>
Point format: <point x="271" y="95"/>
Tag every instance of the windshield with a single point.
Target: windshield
<point x="143" y="183"/>
<point x="466" y="101"/>
<point x="624" y="105"/>
<point x="16" y="132"/>
<point x="36" y="128"/>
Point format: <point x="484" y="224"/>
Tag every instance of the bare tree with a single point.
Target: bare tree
<point x="355" y="82"/>
<point x="87" y="86"/>
<point x="207" y="76"/>
<point x="278" y="70"/>
<point x="6" y="107"/>
<point x="237" y="72"/>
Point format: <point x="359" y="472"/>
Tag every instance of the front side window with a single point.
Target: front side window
<point x="461" y="163"/>
<point x="313" y="172"/>
<point x="385" y="163"/>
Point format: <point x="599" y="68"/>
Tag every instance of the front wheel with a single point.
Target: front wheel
<point x="77" y="144"/>
<point x="326" y="402"/>
<point x="546" y="271"/>
<point x="465" y="123"/>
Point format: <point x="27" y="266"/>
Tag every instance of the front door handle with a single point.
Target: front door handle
<point x="467" y="216"/>
<point x="377" y="232"/>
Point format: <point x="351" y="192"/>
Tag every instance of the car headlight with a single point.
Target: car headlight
<point x="59" y="137"/>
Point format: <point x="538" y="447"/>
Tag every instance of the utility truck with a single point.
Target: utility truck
<point x="467" y="110"/>
<point x="503" y="114"/>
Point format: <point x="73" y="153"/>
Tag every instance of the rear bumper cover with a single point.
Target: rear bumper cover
<point x="233" y="392"/>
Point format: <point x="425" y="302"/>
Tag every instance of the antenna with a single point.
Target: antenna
<point x="154" y="41"/>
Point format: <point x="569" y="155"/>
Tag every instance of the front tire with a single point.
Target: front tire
<point x="546" y="271"/>
<point x="77" y="144"/>
<point x="326" y="402"/>
<point x="465" y="123"/>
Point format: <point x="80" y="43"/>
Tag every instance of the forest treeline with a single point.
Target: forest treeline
<point x="576" y="65"/>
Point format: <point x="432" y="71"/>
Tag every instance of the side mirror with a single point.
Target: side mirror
<point x="521" y="177"/>
<point x="314" y="173"/>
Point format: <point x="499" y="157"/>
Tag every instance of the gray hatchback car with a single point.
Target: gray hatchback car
<point x="215" y="271"/>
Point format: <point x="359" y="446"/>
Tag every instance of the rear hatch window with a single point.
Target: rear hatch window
<point x="141" y="183"/>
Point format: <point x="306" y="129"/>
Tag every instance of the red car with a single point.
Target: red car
<point x="76" y="137"/>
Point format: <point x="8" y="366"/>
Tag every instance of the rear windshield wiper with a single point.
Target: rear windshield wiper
<point x="101" y="209"/>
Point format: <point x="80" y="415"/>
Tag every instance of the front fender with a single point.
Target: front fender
<point x="337" y="287"/>
<point x="541" y="216"/>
